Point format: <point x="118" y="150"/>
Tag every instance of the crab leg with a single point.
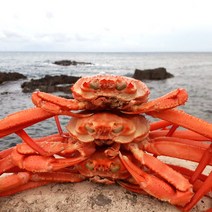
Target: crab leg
<point x="42" y="164"/>
<point x="50" y="144"/>
<point x="192" y="123"/>
<point x="187" y="134"/>
<point x="58" y="105"/>
<point x="20" y="188"/>
<point x="188" y="174"/>
<point x="26" y="138"/>
<point x="168" y="101"/>
<point x="23" y="156"/>
<point x="162" y="125"/>
<point x="23" y="180"/>
<point x="204" y="161"/>
<point x="157" y="187"/>
<point x="159" y="125"/>
<point x="11" y="182"/>
<point x="6" y="152"/>
<point x="160" y="168"/>
<point x="6" y="164"/>
<point x="204" y="189"/>
<point x="185" y="120"/>
<point x="177" y="148"/>
<point x="20" y="120"/>
<point x="15" y="123"/>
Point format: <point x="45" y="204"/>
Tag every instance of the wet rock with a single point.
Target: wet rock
<point x="70" y="62"/>
<point x="152" y="74"/>
<point x="10" y="76"/>
<point x="50" y="84"/>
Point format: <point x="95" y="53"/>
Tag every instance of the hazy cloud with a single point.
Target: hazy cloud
<point x="49" y="15"/>
<point x="130" y="25"/>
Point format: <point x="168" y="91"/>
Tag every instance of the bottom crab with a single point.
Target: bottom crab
<point x="111" y="148"/>
<point x="123" y="169"/>
<point x="95" y="166"/>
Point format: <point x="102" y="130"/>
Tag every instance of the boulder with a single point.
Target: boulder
<point x="50" y="84"/>
<point x="10" y="76"/>
<point x="152" y="74"/>
<point x="70" y="62"/>
<point x="87" y="197"/>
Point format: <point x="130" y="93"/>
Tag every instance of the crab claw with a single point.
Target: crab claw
<point x="156" y="186"/>
<point x="43" y="163"/>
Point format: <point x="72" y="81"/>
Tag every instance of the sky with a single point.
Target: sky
<point x="106" y="25"/>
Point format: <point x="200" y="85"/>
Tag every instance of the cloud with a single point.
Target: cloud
<point x="9" y="35"/>
<point x="49" y="15"/>
<point x="13" y="36"/>
<point x="130" y="25"/>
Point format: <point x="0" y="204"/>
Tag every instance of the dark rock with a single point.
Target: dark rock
<point x="70" y="62"/>
<point x="50" y="84"/>
<point x="10" y="76"/>
<point x="152" y="74"/>
<point x="5" y="93"/>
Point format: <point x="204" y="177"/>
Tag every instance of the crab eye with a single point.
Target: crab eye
<point x="90" y="165"/>
<point x="85" y="85"/>
<point x="130" y="85"/>
<point x="89" y="127"/>
<point x="121" y="86"/>
<point x="94" y="84"/>
<point x="131" y="88"/>
<point x="114" y="167"/>
<point x="117" y="128"/>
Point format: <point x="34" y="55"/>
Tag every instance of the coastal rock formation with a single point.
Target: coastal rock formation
<point x="10" y="76"/>
<point x="70" y="62"/>
<point x="87" y="197"/>
<point x="50" y="84"/>
<point x="152" y="74"/>
<point x="63" y="83"/>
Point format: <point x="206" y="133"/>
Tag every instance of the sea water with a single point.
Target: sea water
<point x="192" y="71"/>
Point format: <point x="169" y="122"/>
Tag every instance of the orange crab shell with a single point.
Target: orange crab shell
<point x="101" y="165"/>
<point x="123" y="88"/>
<point x="107" y="126"/>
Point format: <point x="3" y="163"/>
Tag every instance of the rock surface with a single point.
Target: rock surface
<point x="152" y="74"/>
<point x="10" y="76"/>
<point x="70" y="62"/>
<point x="86" y="196"/>
<point x="50" y="84"/>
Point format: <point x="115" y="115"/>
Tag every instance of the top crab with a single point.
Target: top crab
<point x="109" y="92"/>
<point x="112" y="88"/>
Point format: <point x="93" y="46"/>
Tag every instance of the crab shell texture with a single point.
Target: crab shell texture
<point x="109" y="127"/>
<point x="110" y="86"/>
<point x="101" y="165"/>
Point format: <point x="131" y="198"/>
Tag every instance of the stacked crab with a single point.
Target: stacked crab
<point x="108" y="140"/>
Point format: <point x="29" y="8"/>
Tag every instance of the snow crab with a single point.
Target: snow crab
<point x="111" y="142"/>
